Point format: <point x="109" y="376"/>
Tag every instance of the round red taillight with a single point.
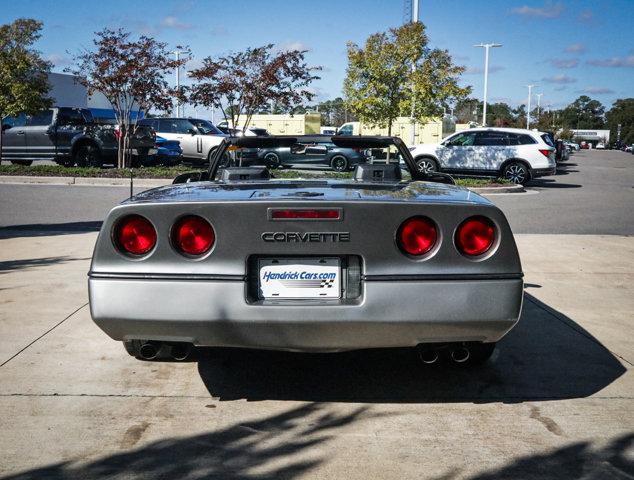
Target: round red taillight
<point x="135" y="235"/>
<point x="417" y="236"/>
<point x="475" y="236"/>
<point x="193" y="235"/>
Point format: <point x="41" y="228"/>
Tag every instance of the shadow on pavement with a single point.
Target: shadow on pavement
<point x="48" y="229"/>
<point x="547" y="356"/>
<point x="576" y="460"/>
<point x="285" y="445"/>
<point x="550" y="183"/>
<point x="11" y="265"/>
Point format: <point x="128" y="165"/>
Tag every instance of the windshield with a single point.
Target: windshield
<point x="313" y="157"/>
<point x="206" y="127"/>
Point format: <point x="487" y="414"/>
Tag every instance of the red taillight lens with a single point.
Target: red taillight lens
<point x="193" y="235"/>
<point x="545" y="152"/>
<point x="307" y="214"/>
<point x="135" y="235"/>
<point x="416" y="236"/>
<point x="475" y="236"/>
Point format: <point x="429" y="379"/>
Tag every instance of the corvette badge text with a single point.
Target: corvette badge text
<point x="306" y="237"/>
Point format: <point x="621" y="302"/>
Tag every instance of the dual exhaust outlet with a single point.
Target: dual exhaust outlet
<point x="428" y="355"/>
<point x="175" y="350"/>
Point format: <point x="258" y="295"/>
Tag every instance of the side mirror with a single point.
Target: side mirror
<point x="191" y="131"/>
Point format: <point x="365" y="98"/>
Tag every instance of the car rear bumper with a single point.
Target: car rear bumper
<point x="543" y="172"/>
<point x="388" y="314"/>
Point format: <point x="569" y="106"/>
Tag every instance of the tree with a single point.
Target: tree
<point x="381" y="83"/>
<point x="243" y="83"/>
<point x="584" y="112"/>
<point x="622" y="112"/>
<point x="131" y="75"/>
<point x="24" y="83"/>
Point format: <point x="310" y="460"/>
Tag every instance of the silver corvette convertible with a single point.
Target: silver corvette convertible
<point x="314" y="261"/>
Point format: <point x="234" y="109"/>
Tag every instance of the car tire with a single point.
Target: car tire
<point x="24" y="163"/>
<point x="479" y="353"/>
<point x="426" y="164"/>
<point x="516" y="172"/>
<point x="88" y="156"/>
<point x="339" y="163"/>
<point x="272" y="160"/>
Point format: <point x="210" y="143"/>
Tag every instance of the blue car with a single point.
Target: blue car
<point x="169" y="152"/>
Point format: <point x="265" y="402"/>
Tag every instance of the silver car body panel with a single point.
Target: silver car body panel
<point x="444" y="297"/>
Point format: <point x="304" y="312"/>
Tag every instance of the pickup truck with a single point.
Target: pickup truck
<point x="69" y="136"/>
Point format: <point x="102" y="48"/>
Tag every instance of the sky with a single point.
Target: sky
<point x="567" y="48"/>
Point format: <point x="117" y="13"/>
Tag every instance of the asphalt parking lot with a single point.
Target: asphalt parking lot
<point x="556" y="401"/>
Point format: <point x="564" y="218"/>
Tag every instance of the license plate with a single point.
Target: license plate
<point x="300" y="278"/>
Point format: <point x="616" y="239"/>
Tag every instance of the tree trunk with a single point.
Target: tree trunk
<point x="1" y="136"/>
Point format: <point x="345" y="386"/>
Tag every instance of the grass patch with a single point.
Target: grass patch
<point x="172" y="172"/>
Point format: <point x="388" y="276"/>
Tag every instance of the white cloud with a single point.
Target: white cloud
<point x="564" y="62"/>
<point x="576" y="48"/>
<point x="586" y="16"/>
<point x="289" y="46"/>
<point x="560" y="79"/>
<point x="549" y="10"/>
<point x="172" y="22"/>
<point x="616" y="62"/>
<point x="58" y="60"/>
<point x="480" y="70"/>
<point x="597" y="90"/>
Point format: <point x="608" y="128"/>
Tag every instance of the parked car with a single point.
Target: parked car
<point x="238" y="132"/>
<point x="319" y="153"/>
<point x="168" y="152"/>
<point x="197" y="145"/>
<point x="328" y="130"/>
<point x="241" y="259"/>
<point x="515" y="154"/>
<point x="68" y="136"/>
<point x="600" y="146"/>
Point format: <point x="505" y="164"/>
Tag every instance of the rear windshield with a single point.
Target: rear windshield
<point x="546" y="138"/>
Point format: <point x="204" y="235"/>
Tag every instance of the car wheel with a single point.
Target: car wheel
<point x="88" y="156"/>
<point x="272" y="160"/>
<point x="426" y="165"/>
<point x="480" y="352"/>
<point x="339" y="163"/>
<point x="516" y="172"/>
<point x="24" y="163"/>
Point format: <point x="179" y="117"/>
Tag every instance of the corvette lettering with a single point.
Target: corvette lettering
<point x="306" y="237"/>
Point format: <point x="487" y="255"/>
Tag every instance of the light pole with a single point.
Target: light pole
<point x="178" y="81"/>
<point x="528" y="107"/>
<point x="539" y="104"/>
<point x="412" y="121"/>
<point x="486" y="47"/>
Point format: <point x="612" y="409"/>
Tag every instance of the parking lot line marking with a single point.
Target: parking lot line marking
<point x="41" y="336"/>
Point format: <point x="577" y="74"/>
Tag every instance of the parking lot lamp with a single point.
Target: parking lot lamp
<point x="528" y="107"/>
<point x="539" y="100"/>
<point x="486" y="47"/>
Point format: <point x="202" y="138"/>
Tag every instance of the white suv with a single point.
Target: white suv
<point x="515" y="154"/>
<point x="197" y="139"/>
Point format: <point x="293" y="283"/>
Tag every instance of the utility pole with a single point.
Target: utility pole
<point x="178" y="83"/>
<point x="486" y="47"/>
<point x="413" y="121"/>
<point x="539" y="99"/>
<point x="528" y="107"/>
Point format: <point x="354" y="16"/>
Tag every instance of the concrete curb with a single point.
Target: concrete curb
<point x="158" y="182"/>
<point x="505" y="189"/>
<point x="85" y="181"/>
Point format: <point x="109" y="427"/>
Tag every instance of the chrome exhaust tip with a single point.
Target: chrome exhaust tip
<point x="180" y="351"/>
<point x="428" y="355"/>
<point x="460" y="354"/>
<point x="149" y="351"/>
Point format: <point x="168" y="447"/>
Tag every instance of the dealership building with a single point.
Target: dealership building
<point x="591" y="136"/>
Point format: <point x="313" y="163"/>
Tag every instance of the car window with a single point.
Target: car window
<point x="42" y="118"/>
<point x="546" y="138"/>
<point x="491" y="139"/>
<point x="70" y="116"/>
<point x="462" y="139"/>
<point x="345" y="130"/>
<point x="15" y="121"/>
<point x="206" y="127"/>
<point x="175" y="125"/>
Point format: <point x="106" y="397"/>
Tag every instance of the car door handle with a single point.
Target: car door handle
<point x="20" y="132"/>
